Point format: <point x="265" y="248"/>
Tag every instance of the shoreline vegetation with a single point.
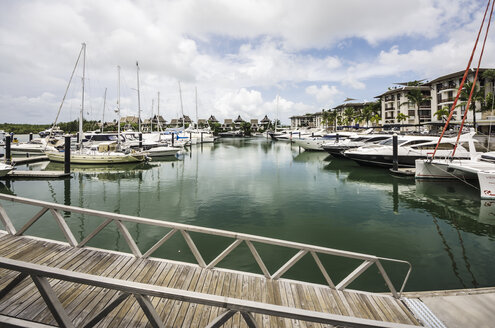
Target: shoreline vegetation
<point x="67" y="127"/>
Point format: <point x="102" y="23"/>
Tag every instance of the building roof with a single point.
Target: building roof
<point x="239" y="119"/>
<point x="254" y="121"/>
<point x="129" y="119"/>
<point x="265" y="119"/>
<point x="201" y="121"/>
<point x="212" y="119"/>
<point x="227" y="121"/>
<point x="401" y="89"/>
<point x="458" y="74"/>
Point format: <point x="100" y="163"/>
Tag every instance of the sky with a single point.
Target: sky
<point x="244" y="57"/>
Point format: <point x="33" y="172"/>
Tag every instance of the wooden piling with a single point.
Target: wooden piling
<point x="7" y="149"/>
<point x="395" y="154"/>
<point x="67" y="155"/>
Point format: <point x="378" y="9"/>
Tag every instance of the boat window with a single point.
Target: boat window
<point x="415" y="142"/>
<point x="441" y="146"/>
<point x="377" y="139"/>
<point x="477" y="146"/>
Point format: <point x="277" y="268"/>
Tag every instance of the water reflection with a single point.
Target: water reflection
<point x="270" y="188"/>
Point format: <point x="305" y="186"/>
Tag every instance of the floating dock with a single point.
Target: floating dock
<point x="36" y="175"/>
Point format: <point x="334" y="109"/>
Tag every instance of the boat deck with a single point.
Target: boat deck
<point x="82" y="302"/>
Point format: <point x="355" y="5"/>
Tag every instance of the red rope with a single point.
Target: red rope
<point x="462" y="82"/>
<point x="474" y="83"/>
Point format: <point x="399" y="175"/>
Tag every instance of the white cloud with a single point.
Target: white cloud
<point x="324" y="94"/>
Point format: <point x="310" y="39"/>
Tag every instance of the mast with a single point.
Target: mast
<point x="82" y="103"/>
<point x="151" y="121"/>
<point x="181" y="106"/>
<point x="104" y="104"/>
<point x="196" y="91"/>
<point x="159" y="129"/>
<point x="276" y="118"/>
<point x="139" y="97"/>
<point x="118" y="107"/>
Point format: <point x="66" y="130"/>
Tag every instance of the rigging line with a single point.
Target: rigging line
<point x="462" y="83"/>
<point x="474" y="82"/>
<point x="67" y="89"/>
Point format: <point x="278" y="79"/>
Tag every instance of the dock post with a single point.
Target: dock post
<point x="30" y="136"/>
<point x="290" y="133"/>
<point x="67" y="154"/>
<point x="190" y="138"/>
<point x="7" y="149"/>
<point x="395" y="154"/>
<point x="172" y="139"/>
<point x="201" y="137"/>
<point x="337" y="138"/>
<point x="140" y="140"/>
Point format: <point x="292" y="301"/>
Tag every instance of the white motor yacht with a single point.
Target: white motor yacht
<point x="316" y="143"/>
<point x="338" y="147"/>
<point x="35" y="146"/>
<point x="410" y="148"/>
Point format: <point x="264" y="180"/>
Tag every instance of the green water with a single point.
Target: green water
<point x="272" y="189"/>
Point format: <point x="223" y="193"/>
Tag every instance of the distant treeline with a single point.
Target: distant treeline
<point x="68" y="127"/>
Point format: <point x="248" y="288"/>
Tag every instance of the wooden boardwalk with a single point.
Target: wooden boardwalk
<point x="82" y="302"/>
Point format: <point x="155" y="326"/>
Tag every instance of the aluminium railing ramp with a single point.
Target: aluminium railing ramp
<point x="220" y="296"/>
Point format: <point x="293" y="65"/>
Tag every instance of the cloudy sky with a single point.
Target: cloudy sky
<point x="238" y="54"/>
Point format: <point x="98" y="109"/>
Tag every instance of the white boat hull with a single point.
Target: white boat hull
<point x="163" y="151"/>
<point x="5" y="169"/>
<point x="97" y="158"/>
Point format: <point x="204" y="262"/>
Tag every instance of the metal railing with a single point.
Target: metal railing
<point x="183" y="229"/>
<point x="141" y="292"/>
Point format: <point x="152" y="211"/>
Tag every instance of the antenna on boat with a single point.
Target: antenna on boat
<point x="158" y="119"/>
<point x="196" y="92"/>
<point x="151" y="121"/>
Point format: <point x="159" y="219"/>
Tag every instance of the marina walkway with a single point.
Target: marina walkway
<point x="82" y="302"/>
<point x="52" y="283"/>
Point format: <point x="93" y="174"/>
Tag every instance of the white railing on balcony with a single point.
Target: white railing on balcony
<point x="185" y="230"/>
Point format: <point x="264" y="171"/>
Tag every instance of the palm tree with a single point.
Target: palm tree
<point x="415" y="97"/>
<point x="375" y="118"/>
<point x="401" y="117"/>
<point x="332" y="117"/>
<point x="349" y="115"/>
<point x="441" y="113"/>
<point x="478" y="95"/>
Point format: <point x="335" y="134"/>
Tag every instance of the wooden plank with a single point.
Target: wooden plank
<point x="176" y="281"/>
<point x="189" y="316"/>
<point x="149" y="310"/>
<point x="175" y="305"/>
<point x="97" y="300"/>
<point x="25" y="298"/>
<point x="215" y="281"/>
<point x="52" y="301"/>
<point x="200" y="307"/>
<point x="181" y="315"/>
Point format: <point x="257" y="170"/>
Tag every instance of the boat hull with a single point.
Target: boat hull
<point x="97" y="158"/>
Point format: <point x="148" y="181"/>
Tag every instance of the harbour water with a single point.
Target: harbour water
<point x="276" y="190"/>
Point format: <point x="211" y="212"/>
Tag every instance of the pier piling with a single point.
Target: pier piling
<point x="7" y="149"/>
<point x="140" y="140"/>
<point x="201" y="137"/>
<point x="67" y="155"/>
<point x="172" y="139"/>
<point x="395" y="155"/>
<point x="30" y="136"/>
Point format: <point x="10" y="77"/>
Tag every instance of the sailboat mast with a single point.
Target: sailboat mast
<point x="159" y="129"/>
<point x="139" y="98"/>
<point x="151" y="121"/>
<point x="82" y="102"/>
<point x="196" y="92"/>
<point x="181" y="106"/>
<point x="276" y="118"/>
<point x="104" y="105"/>
<point x="118" y="107"/>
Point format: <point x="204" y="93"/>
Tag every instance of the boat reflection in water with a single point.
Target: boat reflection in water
<point x="457" y="200"/>
<point x="105" y="171"/>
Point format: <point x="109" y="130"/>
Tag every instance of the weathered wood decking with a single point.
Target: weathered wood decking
<point x="82" y="302"/>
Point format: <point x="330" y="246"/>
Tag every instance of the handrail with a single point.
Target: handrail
<point x="142" y="292"/>
<point x="184" y="230"/>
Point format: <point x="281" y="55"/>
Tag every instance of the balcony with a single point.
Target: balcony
<point x="446" y="86"/>
<point x="389" y="108"/>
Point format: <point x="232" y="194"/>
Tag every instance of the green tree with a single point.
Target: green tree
<point x="375" y="119"/>
<point x="415" y="97"/>
<point x="402" y="117"/>
<point x="442" y="113"/>
<point x="246" y="128"/>
<point x="349" y="115"/>
<point x="478" y="96"/>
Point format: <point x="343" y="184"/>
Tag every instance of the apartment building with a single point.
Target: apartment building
<point x="395" y="101"/>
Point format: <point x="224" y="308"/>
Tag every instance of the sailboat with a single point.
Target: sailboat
<point x="103" y="153"/>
